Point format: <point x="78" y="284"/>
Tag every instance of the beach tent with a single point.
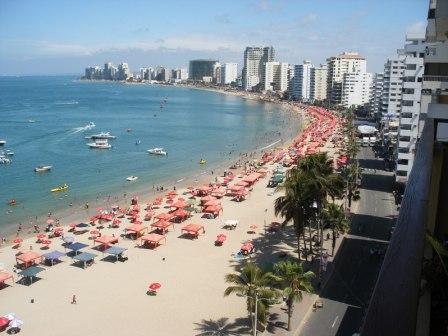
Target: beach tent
<point x="52" y="256"/>
<point x="115" y="251"/>
<point x="85" y="257"/>
<point x="28" y="258"/>
<point x="164" y="216"/>
<point x="31" y="272"/>
<point x="162" y="225"/>
<point x="179" y="204"/>
<point x="106" y="241"/>
<point x="181" y="214"/>
<point x="247" y="248"/>
<point x="137" y="229"/>
<point x="76" y="247"/>
<point x="193" y="229"/>
<point x="153" y="239"/>
<point x="5" y="276"/>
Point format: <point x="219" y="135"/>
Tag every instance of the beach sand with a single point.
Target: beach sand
<point x="111" y="296"/>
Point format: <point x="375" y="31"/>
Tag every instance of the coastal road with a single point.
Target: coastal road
<point x="346" y="293"/>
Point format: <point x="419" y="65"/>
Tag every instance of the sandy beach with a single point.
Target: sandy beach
<point x="112" y="295"/>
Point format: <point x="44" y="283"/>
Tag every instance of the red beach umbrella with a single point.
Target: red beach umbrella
<point x="94" y="232"/>
<point x="117" y="221"/>
<point x="46" y="242"/>
<point x="72" y="225"/>
<point x="41" y="236"/>
<point x="253" y="226"/>
<point x="154" y="286"/>
<point x="17" y="240"/>
<point x="50" y="221"/>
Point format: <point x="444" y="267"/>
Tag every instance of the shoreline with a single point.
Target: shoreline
<point x="76" y="213"/>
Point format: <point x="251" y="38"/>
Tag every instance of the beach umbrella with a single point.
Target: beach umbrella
<point x="17" y="240"/>
<point x="172" y="193"/>
<point x="59" y="228"/>
<point x="41" y="236"/>
<point x="16" y="323"/>
<point x="46" y="242"/>
<point x="68" y="239"/>
<point x="94" y="232"/>
<point x="211" y="203"/>
<point x="50" y="221"/>
<point x="253" y="227"/>
<point x="221" y="236"/>
<point x="154" y="286"/>
<point x="72" y="225"/>
<point x="3" y="322"/>
<point x="116" y="222"/>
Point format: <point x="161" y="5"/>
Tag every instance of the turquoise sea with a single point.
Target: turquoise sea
<point x="41" y="118"/>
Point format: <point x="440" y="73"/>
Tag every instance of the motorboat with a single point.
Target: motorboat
<point x="42" y="168"/>
<point x="12" y="202"/>
<point x="202" y="161"/>
<point x="100" y="144"/>
<point x="89" y="126"/>
<point x="131" y="178"/>
<point x="2" y="142"/>
<point x="63" y="187"/>
<point x="8" y="152"/>
<point x="102" y="135"/>
<point x="157" y="151"/>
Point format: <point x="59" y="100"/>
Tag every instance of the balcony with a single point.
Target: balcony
<point x="400" y="304"/>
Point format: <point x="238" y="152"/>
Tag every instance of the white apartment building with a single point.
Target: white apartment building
<point x="347" y="62"/>
<point x="392" y="84"/>
<point x="254" y="60"/>
<point x="301" y="84"/>
<point x="318" y="82"/>
<point x="123" y="71"/>
<point x="377" y="93"/>
<point x="356" y="89"/>
<point x="229" y="73"/>
<point x="275" y="76"/>
<point x="408" y="129"/>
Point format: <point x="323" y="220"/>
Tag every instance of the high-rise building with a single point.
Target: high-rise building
<point x="392" y="84"/>
<point x="254" y="60"/>
<point x="318" y="82"/>
<point x="301" y="84"/>
<point x="356" y="89"/>
<point x="217" y="73"/>
<point x="229" y="73"/>
<point x="408" y="129"/>
<point x="347" y="62"/>
<point x="201" y="68"/>
<point x="94" y="72"/>
<point x="377" y="93"/>
<point x="123" y="72"/>
<point x="275" y="76"/>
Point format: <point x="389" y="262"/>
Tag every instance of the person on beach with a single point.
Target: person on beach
<point x="74" y="299"/>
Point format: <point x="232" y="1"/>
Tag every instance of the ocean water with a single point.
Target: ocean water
<point x="191" y="125"/>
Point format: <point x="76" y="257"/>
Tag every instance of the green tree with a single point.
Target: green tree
<point x="293" y="281"/>
<point x="296" y="203"/>
<point x="351" y="173"/>
<point x="334" y="218"/>
<point x="250" y="282"/>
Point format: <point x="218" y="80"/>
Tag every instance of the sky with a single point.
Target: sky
<point x="39" y="37"/>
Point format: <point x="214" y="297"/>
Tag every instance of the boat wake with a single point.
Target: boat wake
<point x="70" y="102"/>
<point x="87" y="127"/>
<point x="270" y="145"/>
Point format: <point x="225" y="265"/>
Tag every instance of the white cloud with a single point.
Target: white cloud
<point x="417" y="28"/>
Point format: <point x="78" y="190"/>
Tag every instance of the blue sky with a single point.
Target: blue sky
<point x="64" y="36"/>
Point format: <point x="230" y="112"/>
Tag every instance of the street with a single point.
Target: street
<point x="355" y="268"/>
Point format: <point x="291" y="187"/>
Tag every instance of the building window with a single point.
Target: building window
<point x="408" y="91"/>
<point x="405" y="127"/>
<point x="407" y="103"/>
<point x="402" y="173"/>
<point x="403" y="161"/>
<point x="411" y="66"/>
<point x="405" y="138"/>
<point x="432" y="13"/>
<point x="403" y="150"/>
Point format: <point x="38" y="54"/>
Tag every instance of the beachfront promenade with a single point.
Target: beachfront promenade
<point x="112" y="295"/>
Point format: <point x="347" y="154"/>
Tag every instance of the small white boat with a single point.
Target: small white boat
<point x="2" y="142"/>
<point x="131" y="178"/>
<point x="102" y="135"/>
<point x="100" y="144"/>
<point x="9" y="152"/>
<point x="31" y="120"/>
<point x="4" y="159"/>
<point x="157" y="151"/>
<point x="42" y="168"/>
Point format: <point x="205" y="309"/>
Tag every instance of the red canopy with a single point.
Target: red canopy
<point x="213" y="209"/>
<point x="193" y="229"/>
<point x="5" y="276"/>
<point x="153" y="239"/>
<point x="207" y="198"/>
<point x="164" y="216"/>
<point x="162" y="225"/>
<point x="247" y="247"/>
<point x="106" y="240"/>
<point x="28" y="257"/>
<point x="181" y="213"/>
<point x="136" y="228"/>
<point x="179" y="204"/>
<point x="154" y="286"/>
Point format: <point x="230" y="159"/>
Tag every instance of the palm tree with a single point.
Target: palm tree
<point x="322" y="181"/>
<point x="250" y="282"/>
<point x="352" y="173"/>
<point x="293" y="282"/>
<point x="334" y="218"/>
<point x="296" y="204"/>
